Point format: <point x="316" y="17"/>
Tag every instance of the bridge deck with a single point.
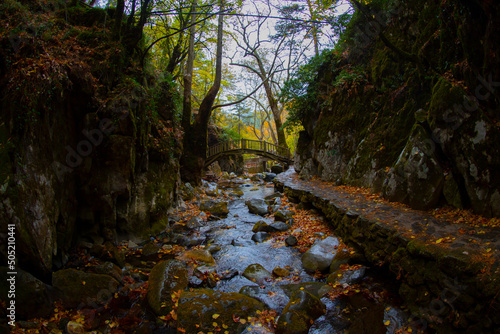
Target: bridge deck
<point x="258" y="147"/>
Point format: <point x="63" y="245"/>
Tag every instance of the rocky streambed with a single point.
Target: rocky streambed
<point x="237" y="257"/>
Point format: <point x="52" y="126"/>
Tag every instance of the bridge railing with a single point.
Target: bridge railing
<point x="248" y="144"/>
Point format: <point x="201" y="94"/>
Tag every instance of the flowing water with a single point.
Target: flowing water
<point x="233" y="234"/>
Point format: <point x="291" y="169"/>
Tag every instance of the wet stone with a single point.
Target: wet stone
<point x="349" y="276"/>
<point x="242" y="242"/>
<point x="257" y="206"/>
<point x="196" y="310"/>
<point x="299" y="314"/>
<point x="261" y="236"/>
<point x="213" y="248"/>
<point x="283" y="215"/>
<point x="320" y="255"/>
<point x="272" y="296"/>
<point x="261" y="225"/>
<point x="280" y="226"/>
<point x="291" y="241"/>
<point x="257" y="273"/>
<point x="281" y="272"/>
<point x="165" y="278"/>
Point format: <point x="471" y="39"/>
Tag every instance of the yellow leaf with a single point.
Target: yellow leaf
<point x="215" y="316"/>
<point x="243" y="321"/>
<point x="387" y="322"/>
<point x="438" y="241"/>
<point x="215" y="324"/>
<point x="84" y="283"/>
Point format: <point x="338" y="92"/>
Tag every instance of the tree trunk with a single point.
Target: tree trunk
<point x="195" y="139"/>
<point x="120" y="8"/>
<point x="273" y="103"/>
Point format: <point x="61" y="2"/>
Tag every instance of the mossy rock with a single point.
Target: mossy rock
<point x="77" y="288"/>
<point x="299" y="314"/>
<point x="204" y="310"/>
<point x="198" y="255"/>
<point x="33" y="297"/>
<point x="218" y="209"/>
<point x="166" y="278"/>
<point x="256" y="273"/>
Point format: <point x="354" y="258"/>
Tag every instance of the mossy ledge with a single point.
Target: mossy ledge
<point x="450" y="288"/>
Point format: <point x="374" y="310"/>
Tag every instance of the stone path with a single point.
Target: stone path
<point x="449" y="273"/>
<point x="401" y="218"/>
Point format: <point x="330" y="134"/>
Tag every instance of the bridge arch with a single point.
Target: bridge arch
<point x="241" y="146"/>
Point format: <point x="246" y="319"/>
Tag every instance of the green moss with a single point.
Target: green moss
<point x="446" y="104"/>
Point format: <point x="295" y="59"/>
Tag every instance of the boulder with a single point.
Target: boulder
<point x="272" y="296"/>
<point x="279" y="227"/>
<point x="109" y="268"/>
<point x="291" y="241"/>
<point x="283" y="215"/>
<point x="300" y="312"/>
<point x="165" y="278"/>
<point x="198" y="255"/>
<point x="257" y="273"/>
<point x="218" y="209"/>
<point x="261" y="226"/>
<point x="33" y="297"/>
<point x="317" y="289"/>
<point x="257" y="206"/>
<point x="348" y="276"/>
<point x="261" y="236"/>
<point x="78" y="288"/>
<point x="280" y="272"/>
<point x="341" y="257"/>
<point x="150" y="250"/>
<point x="320" y="255"/>
<point x="204" y="310"/>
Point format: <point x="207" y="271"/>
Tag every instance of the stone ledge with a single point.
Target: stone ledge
<point x="452" y="285"/>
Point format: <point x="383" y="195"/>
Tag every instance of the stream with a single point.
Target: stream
<point x="370" y="308"/>
<point x="219" y="268"/>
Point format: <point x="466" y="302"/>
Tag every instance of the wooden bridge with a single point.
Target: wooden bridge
<point x="262" y="148"/>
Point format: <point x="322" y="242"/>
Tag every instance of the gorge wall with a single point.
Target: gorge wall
<point x="89" y="146"/>
<point x="409" y="106"/>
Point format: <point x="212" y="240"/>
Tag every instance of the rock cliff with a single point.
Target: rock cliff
<point x="88" y="143"/>
<point x="408" y="105"/>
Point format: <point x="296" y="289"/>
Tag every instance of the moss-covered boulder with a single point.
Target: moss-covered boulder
<point x="33" y="297"/>
<point x="206" y="310"/>
<point x="257" y="273"/>
<point x="218" y="209"/>
<point x="283" y="215"/>
<point x="299" y="314"/>
<point x="78" y="288"/>
<point x="197" y="256"/>
<point x="166" y="278"/>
